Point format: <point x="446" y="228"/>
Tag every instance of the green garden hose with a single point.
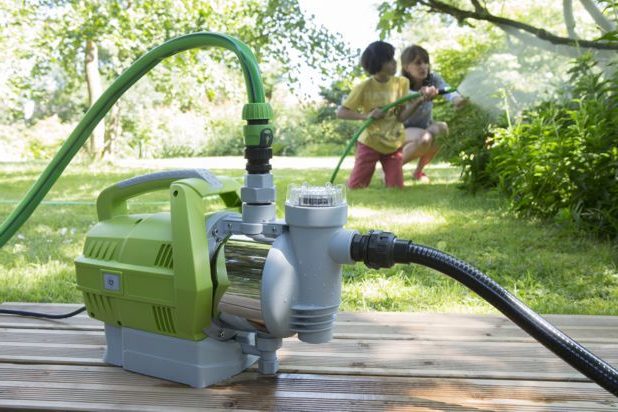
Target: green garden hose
<point x="367" y="122"/>
<point x="34" y="196"/>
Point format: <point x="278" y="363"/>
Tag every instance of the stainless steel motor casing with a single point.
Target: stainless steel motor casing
<point x="301" y="282"/>
<point x="244" y="262"/>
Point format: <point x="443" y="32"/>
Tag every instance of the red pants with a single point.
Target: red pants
<point x="365" y="164"/>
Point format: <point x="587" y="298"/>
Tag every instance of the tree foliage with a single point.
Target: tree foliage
<point x="395" y="15"/>
<point x="283" y="40"/>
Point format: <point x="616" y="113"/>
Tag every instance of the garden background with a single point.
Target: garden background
<point x="525" y="187"/>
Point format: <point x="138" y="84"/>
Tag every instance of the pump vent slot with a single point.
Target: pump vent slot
<point x="100" y="249"/>
<point x="165" y="257"/>
<point x="163" y="319"/>
<point x="98" y="304"/>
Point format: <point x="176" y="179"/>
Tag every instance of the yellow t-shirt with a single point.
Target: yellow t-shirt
<point x="385" y="135"/>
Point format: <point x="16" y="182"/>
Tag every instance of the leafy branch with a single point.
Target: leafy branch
<point x="480" y="12"/>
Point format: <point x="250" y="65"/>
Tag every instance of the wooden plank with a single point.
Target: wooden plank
<point x="107" y="388"/>
<point x="343" y="348"/>
<point x="422" y="318"/>
<point x="392" y="326"/>
<point x="585" y="336"/>
<point x="383" y="357"/>
<point x="470" y="320"/>
<point x="401" y="361"/>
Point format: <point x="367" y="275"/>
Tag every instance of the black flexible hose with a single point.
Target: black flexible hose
<point x="41" y="315"/>
<point x="388" y="250"/>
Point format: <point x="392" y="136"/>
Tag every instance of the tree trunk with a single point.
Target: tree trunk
<point x="112" y="130"/>
<point x="93" y="80"/>
<point x="560" y="49"/>
<point x="604" y="23"/>
<point x="569" y="19"/>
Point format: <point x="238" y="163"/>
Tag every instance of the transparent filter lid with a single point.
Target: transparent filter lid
<point x="315" y="196"/>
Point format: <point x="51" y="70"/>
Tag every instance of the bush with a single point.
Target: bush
<point x="561" y="158"/>
<point x="169" y="151"/>
<point x="311" y="132"/>
<point x="224" y="138"/>
<point x="329" y="137"/>
<point x="40" y="140"/>
<point x="468" y="144"/>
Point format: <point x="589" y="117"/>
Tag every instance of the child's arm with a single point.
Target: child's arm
<point x="409" y="108"/>
<point x="348" y="114"/>
<point x="427" y="93"/>
<point x="455" y="97"/>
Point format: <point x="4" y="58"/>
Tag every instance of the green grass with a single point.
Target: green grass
<point x="552" y="269"/>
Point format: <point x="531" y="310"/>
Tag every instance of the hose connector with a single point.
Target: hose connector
<point x="258" y="131"/>
<point x="375" y="249"/>
<point x="259" y="135"/>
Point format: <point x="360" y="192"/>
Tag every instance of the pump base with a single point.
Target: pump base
<point x="195" y="363"/>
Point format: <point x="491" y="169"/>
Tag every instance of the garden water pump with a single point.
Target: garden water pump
<point x="196" y="297"/>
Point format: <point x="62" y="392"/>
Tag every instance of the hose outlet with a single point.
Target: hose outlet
<point x="375" y="249"/>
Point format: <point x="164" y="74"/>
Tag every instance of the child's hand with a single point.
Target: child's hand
<point x="428" y="93"/>
<point x="376" y="114"/>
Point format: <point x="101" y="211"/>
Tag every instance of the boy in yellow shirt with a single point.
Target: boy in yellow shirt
<point x="383" y="139"/>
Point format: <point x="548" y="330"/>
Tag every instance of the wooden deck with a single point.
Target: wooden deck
<point x="377" y="361"/>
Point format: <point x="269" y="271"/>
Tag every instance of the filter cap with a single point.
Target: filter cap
<point x="315" y="196"/>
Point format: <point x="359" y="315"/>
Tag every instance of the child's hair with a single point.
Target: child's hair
<point x="375" y="55"/>
<point x="410" y="54"/>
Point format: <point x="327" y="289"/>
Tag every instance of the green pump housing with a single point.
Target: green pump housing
<point x="152" y="272"/>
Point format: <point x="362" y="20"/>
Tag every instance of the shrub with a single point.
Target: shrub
<point x="311" y="131"/>
<point x="39" y="140"/>
<point x="561" y="158"/>
<point x="169" y="151"/>
<point x="224" y="138"/>
<point x="468" y="144"/>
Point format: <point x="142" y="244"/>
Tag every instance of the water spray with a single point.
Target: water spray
<point x="197" y="297"/>
<point x="370" y="120"/>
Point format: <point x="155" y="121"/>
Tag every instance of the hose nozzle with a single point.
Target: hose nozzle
<point x="447" y="90"/>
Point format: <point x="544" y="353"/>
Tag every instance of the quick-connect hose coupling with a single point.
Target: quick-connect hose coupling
<point x="258" y="193"/>
<point x="375" y="249"/>
<point x="258" y="133"/>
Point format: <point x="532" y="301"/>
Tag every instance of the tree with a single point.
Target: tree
<point x="394" y="15"/>
<point x="91" y="42"/>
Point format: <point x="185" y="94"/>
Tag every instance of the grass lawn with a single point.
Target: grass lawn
<point x="552" y="269"/>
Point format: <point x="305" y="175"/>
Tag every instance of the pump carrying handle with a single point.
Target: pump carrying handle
<point x="367" y="122"/>
<point x="113" y="200"/>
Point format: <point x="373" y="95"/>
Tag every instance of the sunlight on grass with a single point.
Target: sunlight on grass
<point x="49" y="281"/>
<point x="396" y="216"/>
<point x="402" y="292"/>
<point x="551" y="268"/>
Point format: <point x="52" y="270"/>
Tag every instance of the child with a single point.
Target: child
<point x="383" y="138"/>
<point x="420" y="129"/>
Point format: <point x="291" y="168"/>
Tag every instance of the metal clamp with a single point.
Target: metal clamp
<point x="233" y="225"/>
